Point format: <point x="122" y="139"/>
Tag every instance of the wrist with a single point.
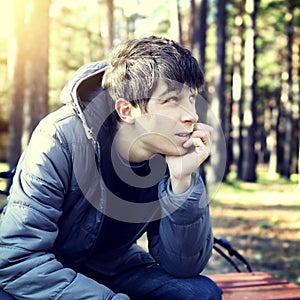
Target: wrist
<point x="180" y="185"/>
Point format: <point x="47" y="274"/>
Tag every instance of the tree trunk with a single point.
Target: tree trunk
<point x="16" y="69"/>
<point x="110" y="16"/>
<point x="36" y="104"/>
<point x="179" y="18"/>
<point x="197" y="41"/>
<point x="218" y="157"/>
<point x="198" y="30"/>
<point x="248" y="166"/>
<point x="175" y="30"/>
<point x="107" y="26"/>
<point x="287" y="98"/>
<point x="296" y="101"/>
<point x="272" y="141"/>
<point x="236" y="116"/>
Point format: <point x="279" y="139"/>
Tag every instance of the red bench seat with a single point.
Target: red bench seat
<point x="255" y="286"/>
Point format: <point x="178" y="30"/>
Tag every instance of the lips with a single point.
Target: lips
<point x="183" y="134"/>
<point x="182" y="137"/>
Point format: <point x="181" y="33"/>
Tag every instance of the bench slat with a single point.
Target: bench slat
<point x="255" y="286"/>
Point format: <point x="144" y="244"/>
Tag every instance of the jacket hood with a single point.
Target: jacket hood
<point x="87" y="74"/>
<point x="89" y="101"/>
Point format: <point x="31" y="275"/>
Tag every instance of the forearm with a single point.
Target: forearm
<point x="184" y="243"/>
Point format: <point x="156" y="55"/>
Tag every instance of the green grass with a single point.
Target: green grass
<point x="264" y="191"/>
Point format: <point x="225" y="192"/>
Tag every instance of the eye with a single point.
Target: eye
<point x="172" y="99"/>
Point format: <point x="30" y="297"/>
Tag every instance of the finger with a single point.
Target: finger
<point x="203" y="134"/>
<point x="196" y="142"/>
<point x="204" y="127"/>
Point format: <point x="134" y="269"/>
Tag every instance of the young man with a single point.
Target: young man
<point x="118" y="160"/>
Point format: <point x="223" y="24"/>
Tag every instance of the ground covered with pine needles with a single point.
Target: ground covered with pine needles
<point x="262" y="221"/>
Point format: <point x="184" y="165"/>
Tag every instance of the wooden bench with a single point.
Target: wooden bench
<point x="255" y="286"/>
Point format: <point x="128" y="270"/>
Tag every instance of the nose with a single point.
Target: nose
<point x="189" y="114"/>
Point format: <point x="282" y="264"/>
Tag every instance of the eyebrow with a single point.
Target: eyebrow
<point x="165" y="92"/>
<point x="171" y="88"/>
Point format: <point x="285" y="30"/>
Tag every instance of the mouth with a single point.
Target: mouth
<point x="184" y="135"/>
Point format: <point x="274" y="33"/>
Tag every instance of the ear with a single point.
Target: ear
<point x="125" y="110"/>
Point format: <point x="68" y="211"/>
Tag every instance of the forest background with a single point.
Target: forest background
<point x="249" y="51"/>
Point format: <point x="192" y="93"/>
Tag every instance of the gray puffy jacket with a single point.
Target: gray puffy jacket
<point x="55" y="208"/>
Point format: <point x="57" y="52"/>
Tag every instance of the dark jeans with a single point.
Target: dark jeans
<point x="5" y="296"/>
<point x="153" y="283"/>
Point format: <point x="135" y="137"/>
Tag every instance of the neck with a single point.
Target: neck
<point x="129" y="145"/>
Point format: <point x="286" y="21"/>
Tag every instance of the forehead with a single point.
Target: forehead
<point x="166" y="87"/>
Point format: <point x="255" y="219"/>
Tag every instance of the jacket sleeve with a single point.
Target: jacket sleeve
<point x="183" y="242"/>
<point x="28" y="228"/>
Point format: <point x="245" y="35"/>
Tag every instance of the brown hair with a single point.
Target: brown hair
<point x="136" y="65"/>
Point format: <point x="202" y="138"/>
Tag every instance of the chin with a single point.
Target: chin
<point x="176" y="151"/>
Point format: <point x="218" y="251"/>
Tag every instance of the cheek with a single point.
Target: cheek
<point x="165" y="121"/>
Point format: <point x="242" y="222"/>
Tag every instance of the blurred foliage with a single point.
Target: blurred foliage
<point x="76" y="36"/>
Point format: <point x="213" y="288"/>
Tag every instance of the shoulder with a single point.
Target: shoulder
<point x="62" y="125"/>
<point x="63" y="116"/>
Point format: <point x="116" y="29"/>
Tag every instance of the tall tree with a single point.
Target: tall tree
<point x="36" y="97"/>
<point x="198" y="30"/>
<point x="110" y="22"/>
<point x="197" y="40"/>
<point x="273" y="107"/>
<point x="107" y="25"/>
<point x="287" y="95"/>
<point x="248" y="165"/>
<point x="218" y="157"/>
<point x="28" y="68"/>
<point x="16" y="69"/>
<point x="236" y="110"/>
<point x="175" y="30"/>
<point x="296" y="91"/>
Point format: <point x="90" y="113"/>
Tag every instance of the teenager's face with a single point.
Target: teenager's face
<point x="169" y="120"/>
